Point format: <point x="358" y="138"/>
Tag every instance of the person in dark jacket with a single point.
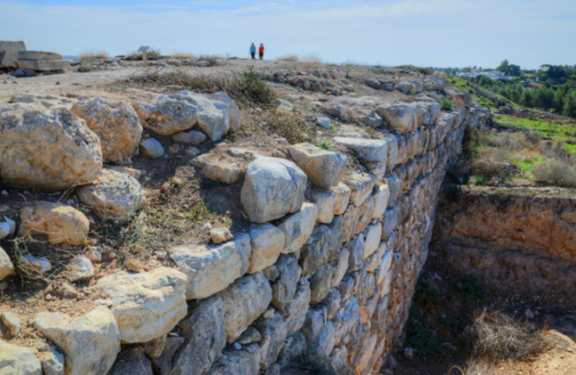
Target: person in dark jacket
<point x="253" y="51"/>
<point x="261" y="51"/>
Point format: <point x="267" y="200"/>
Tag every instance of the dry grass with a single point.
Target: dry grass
<point x="310" y="61"/>
<point x="500" y="337"/>
<point x="475" y="368"/>
<point x="183" y="56"/>
<point x="248" y="87"/>
<point x="214" y="60"/>
<point x="87" y="56"/>
<point x="556" y="173"/>
<point x="288" y="58"/>
<point x="290" y="126"/>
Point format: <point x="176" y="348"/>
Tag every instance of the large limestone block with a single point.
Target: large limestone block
<point x="373" y="153"/>
<point x="372" y="240"/>
<point x="345" y="319"/>
<point x="340" y="266"/>
<point x="146" y="305"/>
<point x="323" y="168"/>
<point x="381" y="195"/>
<point x="267" y="245"/>
<point x="298" y="227"/>
<point x="16" y="360"/>
<point x="244" y="302"/>
<point x="321" y="246"/>
<point x="132" y="361"/>
<point x="205" y="336"/>
<point x="295" y="312"/>
<point x="43" y="65"/>
<point x="239" y="362"/>
<point x="392" y="143"/>
<point x="361" y="185"/>
<point x="163" y="364"/>
<point x="284" y="287"/>
<point x="320" y="283"/>
<point x="62" y="224"/>
<point x="213" y="115"/>
<point x="46" y="149"/>
<point x="117" y="125"/>
<point x="326" y="201"/>
<point x="401" y="117"/>
<point x="6" y="266"/>
<point x="52" y="362"/>
<point x="272" y="188"/>
<point x="90" y="342"/>
<point x="39" y="55"/>
<point x="9" y="52"/>
<point x="324" y="343"/>
<point x="211" y="269"/>
<point x="342" y="193"/>
<point x="167" y="115"/>
<point x="113" y="195"/>
<point x="235" y="117"/>
<point x="356" y="254"/>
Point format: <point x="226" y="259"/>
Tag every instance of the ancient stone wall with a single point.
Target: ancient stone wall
<point x="511" y="239"/>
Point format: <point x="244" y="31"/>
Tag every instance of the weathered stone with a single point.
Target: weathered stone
<point x="12" y="322"/>
<point x="284" y="288"/>
<point x="154" y="348"/>
<point x="167" y="114"/>
<point x="43" y="65"/>
<point x="356" y="254"/>
<point x="323" y="168"/>
<point x="394" y="185"/>
<point x="298" y="227"/>
<point x="267" y="244"/>
<point x="146" y="305"/>
<point x="349" y="220"/>
<point x="210" y="268"/>
<point x="373" y="153"/>
<point x="273" y="332"/>
<point x="47" y="149"/>
<point x="392" y="143"/>
<point x="373" y="261"/>
<point x="324" y="343"/>
<point x="18" y="361"/>
<point x="365" y="212"/>
<point x="284" y="107"/>
<point x="339" y="111"/>
<point x="332" y="302"/>
<point x="244" y="301"/>
<point x="59" y="222"/>
<point x="115" y="123"/>
<point x="152" y="148"/>
<point x="234" y="115"/>
<point x="221" y="172"/>
<point x="249" y="336"/>
<point x="405" y="87"/>
<point x="295" y="312"/>
<point x="90" y="342"/>
<point x="6" y="266"/>
<point x="361" y="185"/>
<point x="372" y="239"/>
<point x="213" y="115"/>
<point x="381" y="195"/>
<point x="113" y="195"/>
<point x="345" y="319"/>
<point x="401" y="117"/>
<point x="30" y="265"/>
<point x="342" y="193"/>
<point x="320" y="284"/>
<point x="52" y="362"/>
<point x="239" y="362"/>
<point x="205" y="336"/>
<point x="340" y="266"/>
<point x="163" y="364"/>
<point x="191" y="137"/>
<point x="339" y="357"/>
<point x="321" y="246"/>
<point x="219" y="235"/>
<point x="390" y="221"/>
<point x="294" y="346"/>
<point x="373" y="83"/>
<point x="326" y="201"/>
<point x="80" y="268"/>
<point x="132" y="361"/>
<point x="272" y="188"/>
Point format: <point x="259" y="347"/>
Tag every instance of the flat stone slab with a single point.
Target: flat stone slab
<point x="43" y="65"/>
<point x="6" y="45"/>
<point x="8" y="59"/>
<point x="38" y="55"/>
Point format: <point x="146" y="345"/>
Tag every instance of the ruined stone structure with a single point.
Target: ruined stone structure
<point x="15" y="55"/>
<point x="330" y="261"/>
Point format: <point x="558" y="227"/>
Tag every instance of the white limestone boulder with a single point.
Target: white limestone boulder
<point x="62" y="224"/>
<point x="117" y="125"/>
<point x="167" y="114"/>
<point x="146" y="305"/>
<point x="235" y="117"/>
<point x="90" y="342"/>
<point x="18" y="360"/>
<point x="6" y="266"/>
<point x="267" y="245"/>
<point x="272" y="188"/>
<point x="211" y="269"/>
<point x="213" y="115"/>
<point x="298" y="227"/>
<point x="399" y="116"/>
<point x="323" y="168"/>
<point x="113" y="195"/>
<point x="373" y="153"/>
<point x="360" y="185"/>
<point x="48" y="149"/>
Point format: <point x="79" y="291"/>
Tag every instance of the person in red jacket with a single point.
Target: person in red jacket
<point x="261" y="51"/>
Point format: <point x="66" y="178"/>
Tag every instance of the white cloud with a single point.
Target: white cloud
<point x="421" y="32"/>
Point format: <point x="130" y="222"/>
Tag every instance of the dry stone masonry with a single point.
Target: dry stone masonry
<point x="329" y="261"/>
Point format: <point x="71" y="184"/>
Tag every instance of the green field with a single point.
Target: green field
<point x="550" y="129"/>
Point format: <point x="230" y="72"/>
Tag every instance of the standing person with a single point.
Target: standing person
<point x="261" y="51"/>
<point x="253" y="51"/>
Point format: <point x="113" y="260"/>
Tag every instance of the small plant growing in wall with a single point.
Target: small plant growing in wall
<point x="446" y="104"/>
<point x="325" y="145"/>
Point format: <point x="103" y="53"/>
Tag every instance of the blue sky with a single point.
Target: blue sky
<point x="387" y="32"/>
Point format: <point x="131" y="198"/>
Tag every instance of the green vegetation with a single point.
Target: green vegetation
<point x="325" y="145"/>
<point x="422" y="338"/>
<point x="446" y="104"/>
<point x="551" y="129"/>
<point x="88" y="56"/>
<point x="485" y="98"/>
<point x="138" y="55"/>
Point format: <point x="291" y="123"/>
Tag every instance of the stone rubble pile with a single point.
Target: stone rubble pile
<point x="333" y="270"/>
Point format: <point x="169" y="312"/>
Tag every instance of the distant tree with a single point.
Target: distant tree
<point x="570" y="105"/>
<point x="509" y="69"/>
<point x="527" y="99"/>
<point x="545" y="99"/>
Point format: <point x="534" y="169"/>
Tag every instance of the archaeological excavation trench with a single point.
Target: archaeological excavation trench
<point x="112" y="264"/>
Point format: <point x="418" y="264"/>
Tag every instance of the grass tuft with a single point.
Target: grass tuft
<point x="88" y="56"/>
